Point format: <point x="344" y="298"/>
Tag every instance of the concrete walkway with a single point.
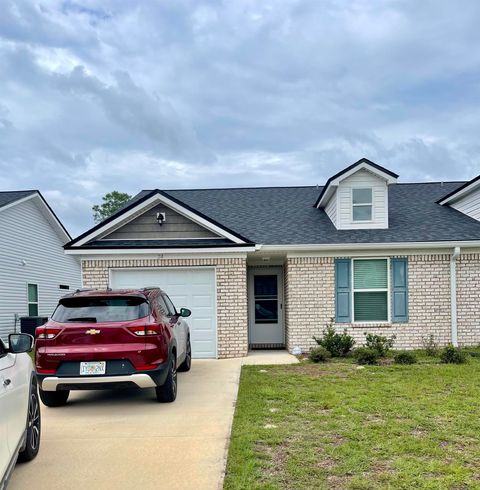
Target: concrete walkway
<point x="125" y="440"/>
<point x="269" y="357"/>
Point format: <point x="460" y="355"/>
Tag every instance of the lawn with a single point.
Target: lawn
<point x="315" y="426"/>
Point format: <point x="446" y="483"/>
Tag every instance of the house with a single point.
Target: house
<point x="269" y="267"/>
<point x="34" y="271"/>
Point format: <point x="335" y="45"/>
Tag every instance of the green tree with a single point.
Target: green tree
<point x="112" y="202"/>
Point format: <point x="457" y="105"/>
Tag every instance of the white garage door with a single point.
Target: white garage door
<point x="187" y="288"/>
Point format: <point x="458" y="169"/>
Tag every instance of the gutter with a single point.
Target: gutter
<point x="453" y="294"/>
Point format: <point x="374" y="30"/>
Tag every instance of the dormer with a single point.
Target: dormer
<point x="357" y="197"/>
<point x="465" y="199"/>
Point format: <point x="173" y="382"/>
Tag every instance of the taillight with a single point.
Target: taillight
<point x="151" y="329"/>
<point x="47" y="332"/>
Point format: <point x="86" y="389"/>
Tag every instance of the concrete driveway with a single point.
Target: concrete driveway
<point x="125" y="439"/>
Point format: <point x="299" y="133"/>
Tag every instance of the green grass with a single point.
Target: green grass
<point x="316" y="426"/>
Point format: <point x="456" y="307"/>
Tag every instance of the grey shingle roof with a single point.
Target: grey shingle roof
<point x="206" y="242"/>
<point x="7" y="197"/>
<point x="286" y="215"/>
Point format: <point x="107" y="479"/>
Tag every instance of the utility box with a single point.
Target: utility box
<point x="28" y="324"/>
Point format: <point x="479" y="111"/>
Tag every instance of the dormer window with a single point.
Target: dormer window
<point x="362" y="204"/>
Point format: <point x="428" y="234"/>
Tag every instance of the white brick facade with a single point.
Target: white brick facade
<point x="231" y="276"/>
<point x="310" y="301"/>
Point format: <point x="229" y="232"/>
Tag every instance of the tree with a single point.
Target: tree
<point x="112" y="202"/>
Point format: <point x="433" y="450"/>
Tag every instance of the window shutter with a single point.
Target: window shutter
<point x="399" y="290"/>
<point x="343" y="291"/>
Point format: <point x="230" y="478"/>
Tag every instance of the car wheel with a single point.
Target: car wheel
<point x="168" y="391"/>
<point x="54" y="398"/>
<point x="187" y="363"/>
<point x="32" y="443"/>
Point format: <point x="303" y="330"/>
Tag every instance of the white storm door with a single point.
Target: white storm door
<point x="265" y="297"/>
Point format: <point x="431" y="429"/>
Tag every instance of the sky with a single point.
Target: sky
<point x="127" y="95"/>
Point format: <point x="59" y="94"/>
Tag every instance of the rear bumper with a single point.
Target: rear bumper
<point x="146" y="379"/>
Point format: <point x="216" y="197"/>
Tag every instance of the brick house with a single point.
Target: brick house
<point x="269" y="267"/>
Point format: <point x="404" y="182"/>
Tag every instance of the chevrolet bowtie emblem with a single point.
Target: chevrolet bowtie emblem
<point x="92" y="331"/>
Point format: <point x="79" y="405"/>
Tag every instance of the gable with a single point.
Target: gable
<point x="180" y="227"/>
<point x="146" y="227"/>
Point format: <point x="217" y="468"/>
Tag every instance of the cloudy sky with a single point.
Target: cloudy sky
<point x="127" y="95"/>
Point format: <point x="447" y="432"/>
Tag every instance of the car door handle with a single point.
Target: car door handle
<point x="6" y="382"/>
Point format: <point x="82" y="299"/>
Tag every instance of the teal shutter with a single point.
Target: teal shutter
<point x="399" y="290"/>
<point x="343" y="291"/>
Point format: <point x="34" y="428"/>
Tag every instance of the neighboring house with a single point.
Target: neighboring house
<point x="34" y="271"/>
<point x="269" y="267"/>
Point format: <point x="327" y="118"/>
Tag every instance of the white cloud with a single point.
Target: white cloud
<point x="96" y="96"/>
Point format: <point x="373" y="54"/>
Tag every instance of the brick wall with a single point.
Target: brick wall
<point x="468" y="299"/>
<point x="231" y="274"/>
<point x="310" y="301"/>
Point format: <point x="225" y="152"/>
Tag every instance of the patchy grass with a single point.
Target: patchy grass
<point x="335" y="426"/>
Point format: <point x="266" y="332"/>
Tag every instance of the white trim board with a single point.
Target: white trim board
<point x="150" y="202"/>
<point x="155" y="251"/>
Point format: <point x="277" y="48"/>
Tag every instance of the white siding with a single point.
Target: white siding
<point x="26" y="234"/>
<point x="361" y="179"/>
<point x="469" y="204"/>
<point x="331" y="209"/>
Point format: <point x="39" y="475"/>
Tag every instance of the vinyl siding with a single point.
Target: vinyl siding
<point x="361" y="179"/>
<point x="26" y="234"/>
<point x="469" y="205"/>
<point x="146" y="227"/>
<point x="331" y="209"/>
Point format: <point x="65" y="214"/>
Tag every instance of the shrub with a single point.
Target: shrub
<point x="430" y="346"/>
<point x="379" y="343"/>
<point x="319" y="354"/>
<point x="366" y="355"/>
<point x="405" y="357"/>
<point x="452" y="355"/>
<point x="338" y="344"/>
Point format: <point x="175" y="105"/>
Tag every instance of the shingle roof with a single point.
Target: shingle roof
<point x="205" y="242"/>
<point x="7" y="197"/>
<point x="287" y="216"/>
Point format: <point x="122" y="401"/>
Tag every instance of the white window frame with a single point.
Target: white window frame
<point x="33" y="302"/>
<point x="354" y="205"/>
<point x="387" y="290"/>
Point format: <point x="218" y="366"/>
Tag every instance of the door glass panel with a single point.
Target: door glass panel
<point x="266" y="299"/>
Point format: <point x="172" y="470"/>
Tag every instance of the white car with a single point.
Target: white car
<point x="19" y="405"/>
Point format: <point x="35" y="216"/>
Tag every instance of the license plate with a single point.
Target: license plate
<point x="92" y="368"/>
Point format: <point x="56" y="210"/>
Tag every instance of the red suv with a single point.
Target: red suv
<point x="112" y="339"/>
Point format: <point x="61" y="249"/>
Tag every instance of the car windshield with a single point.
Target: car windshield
<point x="107" y="309"/>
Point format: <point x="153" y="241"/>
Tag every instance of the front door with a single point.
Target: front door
<point x="266" y="307"/>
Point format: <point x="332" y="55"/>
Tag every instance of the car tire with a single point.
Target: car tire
<point x="168" y="391"/>
<point x="54" y="398"/>
<point x="187" y="363"/>
<point x="32" y="442"/>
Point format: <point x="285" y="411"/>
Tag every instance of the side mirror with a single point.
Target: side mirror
<point x="185" y="312"/>
<point x="19" y="343"/>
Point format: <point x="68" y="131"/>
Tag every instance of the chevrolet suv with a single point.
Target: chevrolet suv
<point x="100" y="339"/>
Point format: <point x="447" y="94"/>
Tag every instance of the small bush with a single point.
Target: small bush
<point x="430" y="346"/>
<point x="366" y="355"/>
<point x="338" y="344"/>
<point x="319" y="354"/>
<point x="452" y="355"/>
<point x="405" y="357"/>
<point x="379" y="343"/>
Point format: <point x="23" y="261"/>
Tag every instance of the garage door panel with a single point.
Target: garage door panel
<point x="187" y="288"/>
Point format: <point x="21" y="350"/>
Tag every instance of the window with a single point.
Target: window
<point x="32" y="292"/>
<point x="171" y="308"/>
<point x="362" y="204"/>
<point x="370" y="290"/>
<point x="101" y="309"/>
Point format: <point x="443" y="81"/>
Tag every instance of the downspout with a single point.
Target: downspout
<point x="453" y="294"/>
